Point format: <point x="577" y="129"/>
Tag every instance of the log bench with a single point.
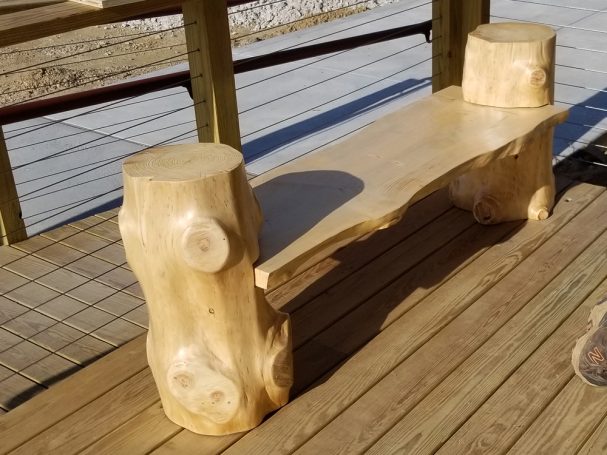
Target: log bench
<point x="204" y="243"/>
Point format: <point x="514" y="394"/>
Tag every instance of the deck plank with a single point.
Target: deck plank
<point x="302" y="418"/>
<point x="567" y="422"/>
<point x="597" y="442"/>
<point x="327" y="273"/>
<point x="365" y="283"/>
<point x="75" y="432"/>
<point x="33" y="417"/>
<point x="142" y="434"/>
<point x="375" y="189"/>
<point x="427" y="426"/>
<point x="500" y="421"/>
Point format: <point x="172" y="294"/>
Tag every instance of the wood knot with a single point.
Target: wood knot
<point x="537" y="77"/>
<point x="206" y="245"/>
<point x="203" y="391"/>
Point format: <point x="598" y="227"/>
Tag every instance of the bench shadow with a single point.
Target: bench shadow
<point x="295" y="202"/>
<point x="352" y="315"/>
<point x="446" y="242"/>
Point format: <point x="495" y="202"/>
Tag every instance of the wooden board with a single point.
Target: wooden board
<point x="106" y="3"/>
<point x="11" y="6"/>
<point x="460" y="394"/>
<point x="31" y="418"/>
<point x="62" y="17"/>
<point x="12" y="228"/>
<point x="398" y="160"/>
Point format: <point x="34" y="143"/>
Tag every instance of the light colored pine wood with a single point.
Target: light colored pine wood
<point x="62" y="17"/>
<point x="374" y="190"/>
<point x="597" y="442"/>
<point x="47" y="409"/>
<point x="311" y="367"/>
<point x="452" y="20"/>
<point x="141" y="434"/>
<point x="566" y="423"/>
<point x="516" y="404"/>
<point x="294" y="424"/>
<point x="12" y="228"/>
<point x="208" y="42"/>
<point x="516" y="187"/>
<point x="510" y="65"/>
<point x="327" y="273"/>
<point x="95" y="419"/>
<point x="11" y="6"/>
<point x="404" y="258"/>
<point x="106" y="3"/>
<point x="431" y="422"/>
<point x="190" y="223"/>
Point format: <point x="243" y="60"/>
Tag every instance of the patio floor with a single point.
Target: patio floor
<point x="437" y="334"/>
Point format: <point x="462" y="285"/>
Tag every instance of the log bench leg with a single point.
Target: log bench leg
<point x="519" y="186"/>
<point x="219" y="353"/>
<point x="510" y="65"/>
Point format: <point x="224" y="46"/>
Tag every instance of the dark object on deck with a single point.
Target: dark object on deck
<point x="589" y="356"/>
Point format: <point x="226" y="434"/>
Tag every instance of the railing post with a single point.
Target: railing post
<point x="452" y="20"/>
<point x="211" y="68"/>
<point x="12" y="228"/>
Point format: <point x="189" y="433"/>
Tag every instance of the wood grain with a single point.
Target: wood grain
<point x="302" y="418"/>
<point x="107" y="3"/>
<point x="35" y="416"/>
<point x="220" y="354"/>
<point x="11" y="6"/>
<point x="212" y="71"/>
<point x="337" y="267"/>
<point x="141" y="434"/>
<point x="597" y="442"/>
<point x="374" y="190"/>
<point x="12" y="228"/>
<point x="452" y="20"/>
<point x="73" y="433"/>
<point x="566" y="423"/>
<point x="62" y="17"/>
<point x="427" y="426"/>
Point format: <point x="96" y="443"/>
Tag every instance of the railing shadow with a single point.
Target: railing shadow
<point x="270" y="142"/>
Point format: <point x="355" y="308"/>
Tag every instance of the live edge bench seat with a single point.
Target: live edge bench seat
<point x="320" y="202"/>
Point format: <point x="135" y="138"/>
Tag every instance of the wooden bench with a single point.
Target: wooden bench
<point x="204" y="243"/>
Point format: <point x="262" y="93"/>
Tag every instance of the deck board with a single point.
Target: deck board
<point x="371" y="324"/>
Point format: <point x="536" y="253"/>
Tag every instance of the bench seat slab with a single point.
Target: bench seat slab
<point x="316" y="204"/>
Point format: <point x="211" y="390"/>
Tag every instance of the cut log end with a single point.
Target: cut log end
<point x="510" y="65"/>
<point x="203" y="391"/>
<point x="183" y="163"/>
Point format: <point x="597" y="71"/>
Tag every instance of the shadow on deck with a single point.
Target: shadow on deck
<point x="435" y="334"/>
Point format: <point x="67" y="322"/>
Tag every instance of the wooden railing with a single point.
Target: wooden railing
<point x="209" y="54"/>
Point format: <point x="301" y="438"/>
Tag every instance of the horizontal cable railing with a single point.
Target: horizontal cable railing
<point x="39" y="179"/>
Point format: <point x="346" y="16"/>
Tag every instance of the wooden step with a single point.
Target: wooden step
<point x="318" y="203"/>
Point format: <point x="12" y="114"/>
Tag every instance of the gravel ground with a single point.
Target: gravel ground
<point x="97" y="56"/>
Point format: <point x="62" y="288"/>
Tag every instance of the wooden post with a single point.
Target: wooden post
<point x="510" y="65"/>
<point x="219" y="353"/>
<point x="12" y="228"/>
<point x="211" y="67"/>
<point x="452" y="20"/>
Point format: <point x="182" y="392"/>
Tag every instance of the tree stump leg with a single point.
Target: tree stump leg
<point x="510" y="65"/>
<point x="519" y="186"/>
<point x="220" y="354"/>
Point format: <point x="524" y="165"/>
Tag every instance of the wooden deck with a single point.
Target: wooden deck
<point x="436" y="335"/>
